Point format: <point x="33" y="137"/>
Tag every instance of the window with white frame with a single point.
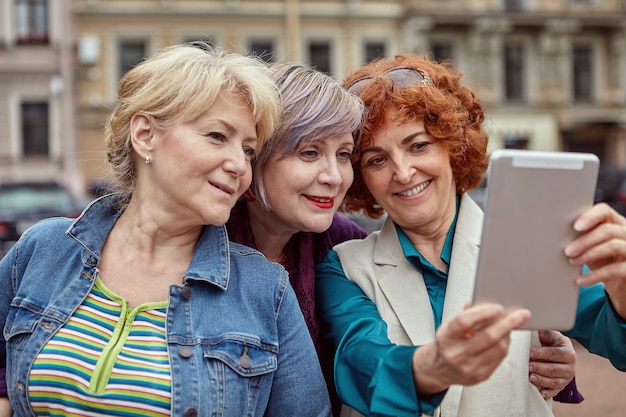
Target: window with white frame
<point x="320" y="55"/>
<point x="209" y="40"/>
<point x="516" y="141"/>
<point x="31" y="21"/>
<point x="35" y="129"/>
<point x="442" y="51"/>
<point x="582" y="73"/>
<point x="513" y="72"/>
<point x="263" y="48"/>
<point x="514" y="5"/>
<point x="131" y="52"/>
<point x="373" y="50"/>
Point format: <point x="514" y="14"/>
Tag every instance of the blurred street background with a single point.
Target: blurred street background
<point x="601" y="385"/>
<point x="552" y="75"/>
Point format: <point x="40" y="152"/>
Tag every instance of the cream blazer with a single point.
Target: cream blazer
<point x="400" y="294"/>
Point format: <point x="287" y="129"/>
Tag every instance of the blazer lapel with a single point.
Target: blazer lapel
<point x="462" y="272"/>
<point x="403" y="287"/>
<point x="461" y="276"/>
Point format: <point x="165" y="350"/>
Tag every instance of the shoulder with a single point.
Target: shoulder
<point x="45" y="232"/>
<point x="251" y="264"/>
<point x="243" y="253"/>
<point x="247" y="255"/>
<point x="316" y="245"/>
<point x="43" y="248"/>
<point x="357" y="248"/>
<point x="342" y="229"/>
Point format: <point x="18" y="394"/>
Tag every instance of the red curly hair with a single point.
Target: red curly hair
<point x="452" y="115"/>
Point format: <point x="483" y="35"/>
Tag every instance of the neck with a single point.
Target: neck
<point x="429" y="239"/>
<point x="138" y="231"/>
<point x="270" y="237"/>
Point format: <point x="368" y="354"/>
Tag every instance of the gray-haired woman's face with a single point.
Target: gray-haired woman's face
<point x="305" y="189"/>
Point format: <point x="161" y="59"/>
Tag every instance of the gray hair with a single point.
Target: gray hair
<point x="179" y="83"/>
<point x="314" y="107"/>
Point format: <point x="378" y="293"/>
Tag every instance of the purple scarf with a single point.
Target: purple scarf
<point x="304" y="251"/>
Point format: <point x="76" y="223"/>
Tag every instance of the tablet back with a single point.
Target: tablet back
<point x="532" y="201"/>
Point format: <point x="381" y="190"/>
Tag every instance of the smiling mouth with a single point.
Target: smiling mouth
<point x="321" y="202"/>
<point x="416" y="190"/>
<point x="223" y="188"/>
<point x="324" y="200"/>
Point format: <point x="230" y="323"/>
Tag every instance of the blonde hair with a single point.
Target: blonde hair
<point x="179" y="83"/>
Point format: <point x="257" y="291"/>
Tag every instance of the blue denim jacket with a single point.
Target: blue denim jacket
<point x="230" y="298"/>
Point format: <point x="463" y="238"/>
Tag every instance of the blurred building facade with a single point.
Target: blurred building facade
<point x="37" y="130"/>
<point x="551" y="73"/>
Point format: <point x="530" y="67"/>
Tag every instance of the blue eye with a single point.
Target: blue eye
<point x="344" y="155"/>
<point x="217" y="136"/>
<point x="309" y="153"/>
<point x="249" y="152"/>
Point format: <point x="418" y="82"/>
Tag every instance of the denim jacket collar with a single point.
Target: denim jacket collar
<point x="93" y="226"/>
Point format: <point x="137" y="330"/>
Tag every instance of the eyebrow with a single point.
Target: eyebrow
<point x="404" y="142"/>
<point x="226" y="125"/>
<point x="232" y="129"/>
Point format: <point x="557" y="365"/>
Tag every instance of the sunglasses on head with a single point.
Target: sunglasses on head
<point x="400" y="76"/>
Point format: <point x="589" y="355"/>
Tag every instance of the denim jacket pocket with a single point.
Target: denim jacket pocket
<point x="21" y="334"/>
<point x="239" y="368"/>
<point x="243" y="355"/>
<point x="20" y="321"/>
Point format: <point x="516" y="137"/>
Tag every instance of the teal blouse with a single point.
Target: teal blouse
<point x="374" y="376"/>
<point x="385" y="391"/>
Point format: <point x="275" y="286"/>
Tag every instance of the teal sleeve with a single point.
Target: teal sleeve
<point x="598" y="327"/>
<point x="372" y="375"/>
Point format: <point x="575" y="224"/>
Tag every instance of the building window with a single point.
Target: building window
<point x="442" y="51"/>
<point x="374" y="50"/>
<point x="35" y="129"/>
<point x="209" y="40"/>
<point x="514" y="5"/>
<point x="582" y="76"/>
<point x="516" y="142"/>
<point x="131" y="53"/>
<point x="319" y="55"/>
<point x="263" y="49"/>
<point x="31" y="21"/>
<point x="514" y="72"/>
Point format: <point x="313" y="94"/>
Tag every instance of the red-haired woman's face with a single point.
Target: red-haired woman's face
<point x="409" y="175"/>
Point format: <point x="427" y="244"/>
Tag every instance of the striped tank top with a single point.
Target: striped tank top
<point x="107" y="360"/>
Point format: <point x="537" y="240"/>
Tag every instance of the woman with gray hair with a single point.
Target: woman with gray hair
<point x="300" y="179"/>
<point x="141" y="306"/>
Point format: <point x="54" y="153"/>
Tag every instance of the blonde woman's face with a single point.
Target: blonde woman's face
<point x="200" y="168"/>
<point x="305" y="189"/>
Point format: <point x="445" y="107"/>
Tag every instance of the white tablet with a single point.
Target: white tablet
<point x="532" y="201"/>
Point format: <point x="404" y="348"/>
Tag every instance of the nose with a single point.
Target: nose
<point x="237" y="162"/>
<point x="331" y="174"/>
<point x="403" y="171"/>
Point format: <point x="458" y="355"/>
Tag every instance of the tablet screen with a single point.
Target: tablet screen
<point x="531" y="203"/>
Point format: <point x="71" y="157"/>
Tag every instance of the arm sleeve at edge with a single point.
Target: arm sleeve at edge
<point x="372" y="375"/>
